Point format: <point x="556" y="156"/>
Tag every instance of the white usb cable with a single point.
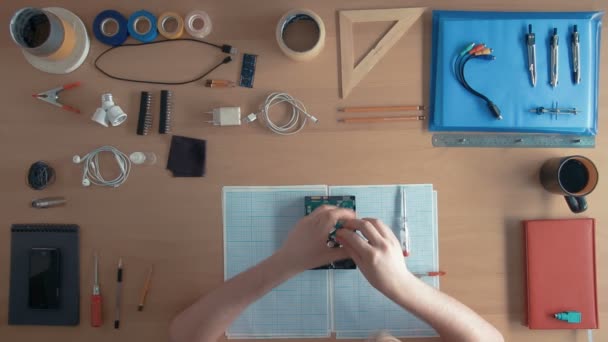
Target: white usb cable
<point x="299" y="115"/>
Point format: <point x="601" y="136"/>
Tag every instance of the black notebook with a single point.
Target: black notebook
<point x="45" y="279"/>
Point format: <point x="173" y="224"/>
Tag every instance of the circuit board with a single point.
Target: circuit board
<point x="313" y="202"/>
<point x="248" y="70"/>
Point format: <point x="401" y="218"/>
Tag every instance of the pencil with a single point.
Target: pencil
<point x="383" y="119"/>
<point x="380" y="109"/>
<point x="118" y="294"/>
<point x="144" y="291"/>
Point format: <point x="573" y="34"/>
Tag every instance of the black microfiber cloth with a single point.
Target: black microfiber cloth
<point x="187" y="157"/>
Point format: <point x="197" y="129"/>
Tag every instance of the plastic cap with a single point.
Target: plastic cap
<point x="137" y="158"/>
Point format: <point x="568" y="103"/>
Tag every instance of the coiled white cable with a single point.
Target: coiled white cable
<point x="91" y="173"/>
<point x="299" y="115"/>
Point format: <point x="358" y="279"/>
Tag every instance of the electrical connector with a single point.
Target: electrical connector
<point x="495" y="110"/>
<point x="569" y="316"/>
<point x="229" y="49"/>
<point x="226" y="116"/>
<point x="467" y="49"/>
<point x="250" y="118"/>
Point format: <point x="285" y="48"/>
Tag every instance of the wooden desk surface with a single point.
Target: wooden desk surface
<point x="176" y="223"/>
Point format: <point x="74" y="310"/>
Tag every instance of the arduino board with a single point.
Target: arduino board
<point x="313" y="202"/>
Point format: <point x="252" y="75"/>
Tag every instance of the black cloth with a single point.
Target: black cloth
<point x="187" y="157"/>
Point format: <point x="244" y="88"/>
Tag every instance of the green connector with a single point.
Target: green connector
<point x="569" y="316"/>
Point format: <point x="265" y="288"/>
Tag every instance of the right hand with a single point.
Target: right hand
<point x="380" y="259"/>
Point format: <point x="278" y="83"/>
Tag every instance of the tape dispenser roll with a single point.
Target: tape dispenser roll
<point x="102" y="31"/>
<point x="292" y="17"/>
<point x="198" y="24"/>
<point x="143" y="16"/>
<point x="163" y="21"/>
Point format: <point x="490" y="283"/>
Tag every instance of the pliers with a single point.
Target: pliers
<point x="52" y="96"/>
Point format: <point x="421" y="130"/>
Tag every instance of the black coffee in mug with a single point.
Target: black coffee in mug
<point x="574" y="177"/>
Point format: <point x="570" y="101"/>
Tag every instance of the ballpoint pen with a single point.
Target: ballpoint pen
<point x="404" y="233"/>
<point x="118" y="294"/>
<point x="531" y="43"/>
<point x="576" y="54"/>
<point x="554" y="58"/>
<point x="96" y="315"/>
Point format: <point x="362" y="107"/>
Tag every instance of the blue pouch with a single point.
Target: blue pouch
<point x="506" y="80"/>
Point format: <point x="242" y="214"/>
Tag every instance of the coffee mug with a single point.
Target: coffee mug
<point x="574" y="177"/>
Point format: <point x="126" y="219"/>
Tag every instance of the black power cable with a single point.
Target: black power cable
<point x="224" y="48"/>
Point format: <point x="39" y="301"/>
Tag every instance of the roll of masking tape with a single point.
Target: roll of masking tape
<point x="198" y="24"/>
<point x="292" y="17"/>
<point x="102" y="31"/>
<point x="163" y="21"/>
<point x="146" y="18"/>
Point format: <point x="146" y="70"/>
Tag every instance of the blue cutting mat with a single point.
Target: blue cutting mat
<point x="506" y="80"/>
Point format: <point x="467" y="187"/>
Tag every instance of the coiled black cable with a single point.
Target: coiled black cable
<point x="40" y="175"/>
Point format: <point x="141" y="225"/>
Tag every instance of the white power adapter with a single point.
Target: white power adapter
<point x="226" y="116"/>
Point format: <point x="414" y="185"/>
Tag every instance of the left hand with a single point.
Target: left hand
<point x="305" y="247"/>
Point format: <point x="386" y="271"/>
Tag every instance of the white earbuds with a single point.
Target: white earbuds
<point x="76" y="159"/>
<point x="109" y="112"/>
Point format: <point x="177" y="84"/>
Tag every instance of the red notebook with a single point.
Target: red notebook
<point x="560" y="272"/>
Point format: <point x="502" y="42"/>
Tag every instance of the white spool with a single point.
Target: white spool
<point x="194" y="16"/>
<point x="291" y="17"/>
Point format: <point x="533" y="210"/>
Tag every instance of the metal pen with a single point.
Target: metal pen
<point x="554" y="58"/>
<point x="404" y="232"/>
<point x="531" y="43"/>
<point x="576" y="54"/>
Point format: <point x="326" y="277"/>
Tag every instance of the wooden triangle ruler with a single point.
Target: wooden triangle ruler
<point x="351" y="74"/>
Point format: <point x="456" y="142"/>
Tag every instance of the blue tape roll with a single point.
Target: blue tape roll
<point x="102" y="19"/>
<point x="147" y="36"/>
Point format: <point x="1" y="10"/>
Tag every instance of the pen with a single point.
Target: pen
<point x="554" y="58"/>
<point x="531" y="43"/>
<point x="576" y="54"/>
<point x="118" y="294"/>
<point x="430" y="274"/>
<point x="405" y="232"/>
<point x="144" y="292"/>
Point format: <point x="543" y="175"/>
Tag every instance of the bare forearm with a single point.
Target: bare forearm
<point x="210" y="316"/>
<point x="454" y="321"/>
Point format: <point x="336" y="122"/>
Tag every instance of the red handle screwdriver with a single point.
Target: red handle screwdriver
<point x="96" y="318"/>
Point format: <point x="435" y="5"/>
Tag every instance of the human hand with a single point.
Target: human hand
<point x="305" y="247"/>
<point x="380" y="259"/>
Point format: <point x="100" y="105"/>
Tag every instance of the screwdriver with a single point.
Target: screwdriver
<point x="96" y="319"/>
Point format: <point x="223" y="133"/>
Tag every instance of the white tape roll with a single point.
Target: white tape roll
<point x="292" y="17"/>
<point x="195" y="30"/>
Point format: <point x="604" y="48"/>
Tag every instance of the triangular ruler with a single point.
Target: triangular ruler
<point x="351" y="74"/>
